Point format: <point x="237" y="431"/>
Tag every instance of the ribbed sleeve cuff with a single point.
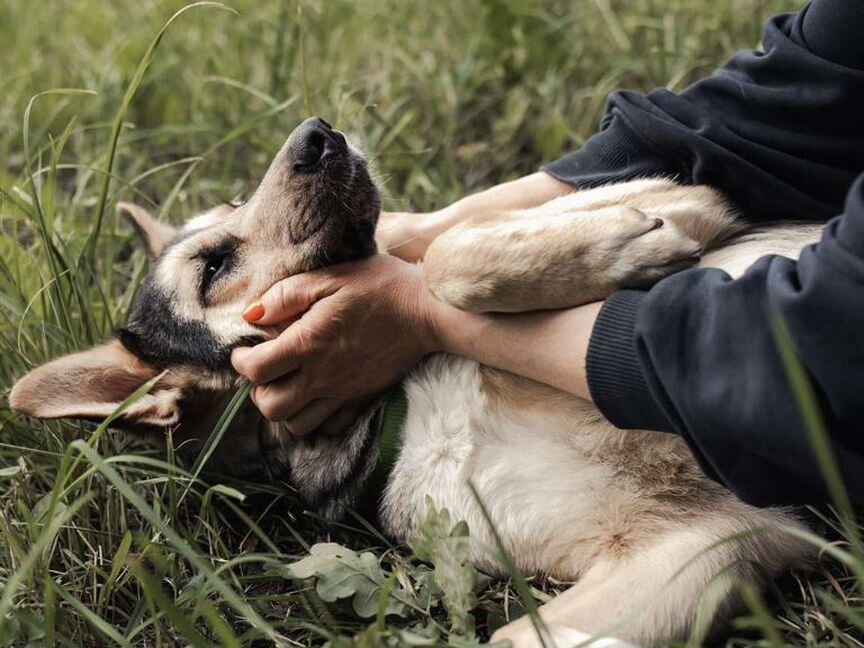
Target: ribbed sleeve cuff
<point x="615" y="154"/>
<point x="615" y="377"/>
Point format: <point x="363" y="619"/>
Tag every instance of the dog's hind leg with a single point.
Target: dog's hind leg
<point x="655" y="593"/>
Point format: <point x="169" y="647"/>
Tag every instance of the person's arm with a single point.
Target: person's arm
<point x="407" y="235"/>
<point x="549" y="346"/>
<point x="786" y="120"/>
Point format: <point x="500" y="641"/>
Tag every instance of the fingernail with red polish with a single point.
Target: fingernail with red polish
<point x="254" y="312"/>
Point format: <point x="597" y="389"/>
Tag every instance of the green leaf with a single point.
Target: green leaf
<point x="24" y="629"/>
<point x="342" y="573"/>
<point x="447" y="546"/>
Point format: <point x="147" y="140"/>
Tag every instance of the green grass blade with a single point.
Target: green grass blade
<point x="525" y="595"/>
<point x="221" y="427"/>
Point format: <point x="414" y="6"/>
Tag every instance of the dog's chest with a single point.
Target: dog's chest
<point x="542" y="491"/>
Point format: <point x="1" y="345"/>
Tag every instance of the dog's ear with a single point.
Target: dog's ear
<point x="91" y="385"/>
<point x="155" y="234"/>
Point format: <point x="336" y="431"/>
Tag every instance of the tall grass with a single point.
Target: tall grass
<point x="105" y="541"/>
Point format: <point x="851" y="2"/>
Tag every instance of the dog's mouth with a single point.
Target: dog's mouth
<point x="335" y="203"/>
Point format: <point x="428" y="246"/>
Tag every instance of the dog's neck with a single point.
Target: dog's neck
<point x="331" y="474"/>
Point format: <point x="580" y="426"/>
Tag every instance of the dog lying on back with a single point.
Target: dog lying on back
<point x="627" y="515"/>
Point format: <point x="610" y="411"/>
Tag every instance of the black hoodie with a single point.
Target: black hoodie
<point x="781" y="133"/>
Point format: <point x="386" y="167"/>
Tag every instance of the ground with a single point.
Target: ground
<point x="106" y="541"/>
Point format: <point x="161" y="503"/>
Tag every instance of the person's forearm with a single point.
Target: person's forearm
<point x="524" y="193"/>
<point x="408" y="235"/>
<point x="548" y="347"/>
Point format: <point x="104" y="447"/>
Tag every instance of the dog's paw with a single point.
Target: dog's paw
<point x="521" y="633"/>
<point x="645" y="249"/>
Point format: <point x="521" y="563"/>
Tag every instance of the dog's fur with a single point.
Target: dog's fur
<point x="627" y="515"/>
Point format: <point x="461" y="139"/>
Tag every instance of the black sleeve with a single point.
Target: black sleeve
<point x="695" y="355"/>
<point x="780" y="132"/>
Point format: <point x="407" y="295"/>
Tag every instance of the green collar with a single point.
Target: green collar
<point x="392" y="417"/>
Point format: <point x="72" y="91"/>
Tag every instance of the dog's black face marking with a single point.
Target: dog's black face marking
<point x="158" y="337"/>
<point x="359" y="240"/>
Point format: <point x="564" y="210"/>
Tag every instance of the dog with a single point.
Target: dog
<point x="627" y="515"/>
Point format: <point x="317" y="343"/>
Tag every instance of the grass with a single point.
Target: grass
<point x="106" y="541"/>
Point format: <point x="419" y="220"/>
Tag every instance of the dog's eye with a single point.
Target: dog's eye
<point x="214" y="263"/>
<point x="214" y="266"/>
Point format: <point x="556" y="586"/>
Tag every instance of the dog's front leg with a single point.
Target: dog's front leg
<point x="538" y="260"/>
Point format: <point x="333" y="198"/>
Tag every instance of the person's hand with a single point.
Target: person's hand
<point x="364" y="325"/>
<point x="407" y="235"/>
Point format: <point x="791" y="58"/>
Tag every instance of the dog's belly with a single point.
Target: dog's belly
<point x="553" y="502"/>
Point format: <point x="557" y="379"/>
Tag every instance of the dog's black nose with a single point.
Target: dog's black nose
<point x="313" y="142"/>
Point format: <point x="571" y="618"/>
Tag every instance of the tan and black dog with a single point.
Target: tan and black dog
<point x="627" y="515"/>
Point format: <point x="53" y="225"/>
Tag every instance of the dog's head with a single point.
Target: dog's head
<point x="316" y="205"/>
